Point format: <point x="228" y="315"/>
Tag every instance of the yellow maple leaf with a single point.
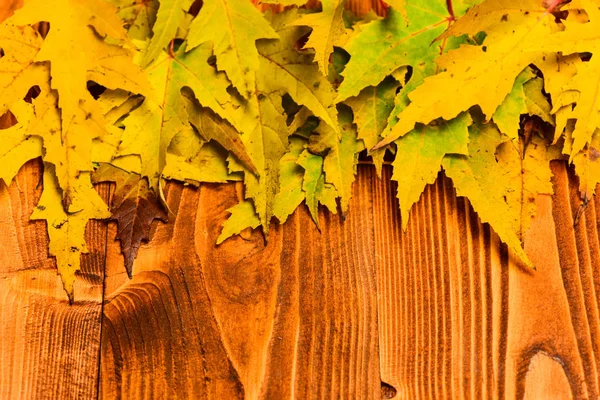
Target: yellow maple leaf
<point x="584" y="87"/>
<point x="327" y="31"/>
<point x="233" y="26"/>
<point x="77" y="51"/>
<point x="67" y="230"/>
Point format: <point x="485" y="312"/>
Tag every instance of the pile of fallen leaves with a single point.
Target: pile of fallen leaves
<point x="139" y="91"/>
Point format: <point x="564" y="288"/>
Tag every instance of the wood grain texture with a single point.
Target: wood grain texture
<point x="296" y="317"/>
<point x="48" y="349"/>
<point x="459" y="318"/>
<point x="359" y="310"/>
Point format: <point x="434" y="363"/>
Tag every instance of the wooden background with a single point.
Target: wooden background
<point x="358" y="311"/>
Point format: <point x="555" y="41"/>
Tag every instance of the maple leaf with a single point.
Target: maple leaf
<point x="18" y="146"/>
<point x="478" y="74"/>
<point x="288" y="198"/>
<point x="371" y="109"/>
<point x="328" y="29"/>
<point x="134" y="207"/>
<point x="382" y="46"/>
<point x="69" y="150"/>
<point x="266" y="139"/>
<point x="233" y="27"/>
<point x="528" y="175"/>
<point x="586" y="162"/>
<point x="242" y="216"/>
<point x="67" y="230"/>
<point x="339" y="156"/>
<point x="139" y="16"/>
<point x="314" y="186"/>
<point x="261" y="119"/>
<point x="211" y="127"/>
<point x="419" y="157"/>
<point x="525" y="98"/>
<point x="287" y="71"/>
<point x="77" y="51"/>
<point x="169" y="17"/>
<point x="479" y="178"/>
<point x="191" y="160"/>
<point x="150" y="127"/>
<point x="18" y="69"/>
<point x="290" y="193"/>
<point x="585" y="85"/>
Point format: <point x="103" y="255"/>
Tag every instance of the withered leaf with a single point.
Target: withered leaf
<point x="134" y="207"/>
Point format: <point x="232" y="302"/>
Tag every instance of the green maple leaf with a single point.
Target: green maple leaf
<point x="419" y="157"/>
<point x="478" y="74"/>
<point x="383" y="46"/>
<point x="339" y="155"/>
<point x="290" y="193"/>
<point x="314" y="186"/>
<point x="371" y="109"/>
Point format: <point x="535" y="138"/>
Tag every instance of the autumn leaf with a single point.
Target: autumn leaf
<point x="18" y="69"/>
<point x="479" y="178"/>
<point x="134" y="207"/>
<point x="419" y="157"/>
<point x="139" y="16"/>
<point x="327" y="31"/>
<point x="339" y="156"/>
<point x="261" y="120"/>
<point x="371" y="109"/>
<point x="211" y="127"/>
<point x="290" y="193"/>
<point x="314" y="186"/>
<point x="192" y="160"/>
<point x="73" y="46"/>
<point x="580" y="38"/>
<point x="528" y="175"/>
<point x="18" y="146"/>
<point x="480" y="75"/>
<point x="169" y="17"/>
<point x="288" y="71"/>
<point x="70" y="151"/>
<point x="525" y="98"/>
<point x="233" y="27"/>
<point x="150" y="127"/>
<point x="242" y="216"/>
<point x="382" y="46"/>
<point x="67" y="230"/>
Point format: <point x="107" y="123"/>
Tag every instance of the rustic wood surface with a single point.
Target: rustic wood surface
<point x="359" y="310"/>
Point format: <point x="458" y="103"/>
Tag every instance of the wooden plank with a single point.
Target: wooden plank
<point x="295" y="317"/>
<point x="48" y="348"/>
<point x="458" y="318"/>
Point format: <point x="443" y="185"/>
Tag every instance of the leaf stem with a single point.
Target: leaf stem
<point x="452" y="18"/>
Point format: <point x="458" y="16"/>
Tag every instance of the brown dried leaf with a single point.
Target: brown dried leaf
<point x="134" y="207"/>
